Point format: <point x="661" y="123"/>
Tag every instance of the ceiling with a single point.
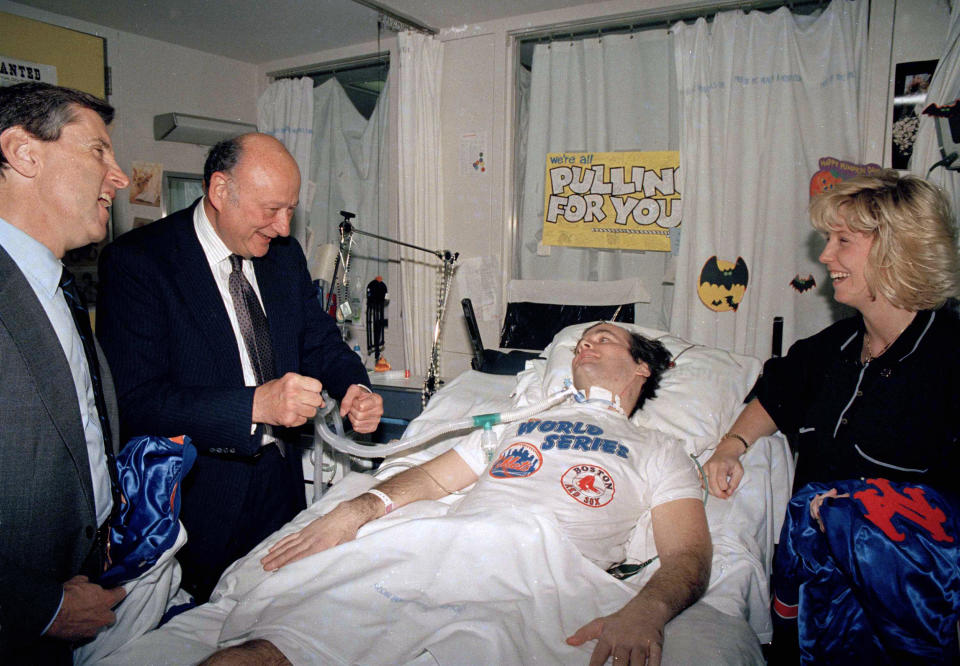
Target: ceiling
<point x="258" y="31"/>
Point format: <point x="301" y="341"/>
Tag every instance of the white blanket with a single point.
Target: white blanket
<point x="491" y="589"/>
<point x="505" y="589"/>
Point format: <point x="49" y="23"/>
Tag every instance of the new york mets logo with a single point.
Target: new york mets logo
<point x="885" y="503"/>
<point x="516" y="462"/>
<point x="588" y="484"/>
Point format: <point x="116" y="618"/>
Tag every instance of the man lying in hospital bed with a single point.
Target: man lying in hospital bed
<point x="510" y="587"/>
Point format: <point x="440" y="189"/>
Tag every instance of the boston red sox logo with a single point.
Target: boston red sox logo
<point x="588" y="484"/>
<point x="912" y="504"/>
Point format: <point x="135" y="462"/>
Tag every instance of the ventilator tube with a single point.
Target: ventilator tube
<point x="486" y="421"/>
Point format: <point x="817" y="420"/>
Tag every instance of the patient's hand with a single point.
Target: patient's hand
<point x="337" y="527"/>
<point x="632" y="635"/>
<point x="723" y="470"/>
<point x="363" y="407"/>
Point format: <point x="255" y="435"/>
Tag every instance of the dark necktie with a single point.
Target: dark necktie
<point x="253" y="327"/>
<point x="81" y="319"/>
<point x="253" y="323"/>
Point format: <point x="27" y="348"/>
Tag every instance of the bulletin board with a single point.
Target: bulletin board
<point x="79" y="58"/>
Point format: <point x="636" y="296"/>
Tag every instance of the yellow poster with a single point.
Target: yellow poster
<point x="623" y="200"/>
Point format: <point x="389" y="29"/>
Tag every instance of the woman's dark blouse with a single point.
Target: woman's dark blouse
<point x="897" y="417"/>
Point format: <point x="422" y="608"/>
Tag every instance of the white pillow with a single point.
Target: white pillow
<point x="698" y="398"/>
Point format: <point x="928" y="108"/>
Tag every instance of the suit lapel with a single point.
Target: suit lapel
<point x="198" y="291"/>
<point x="25" y="319"/>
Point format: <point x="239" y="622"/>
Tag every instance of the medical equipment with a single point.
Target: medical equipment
<point x="377" y="297"/>
<point x="485" y="421"/>
<point x="446" y="270"/>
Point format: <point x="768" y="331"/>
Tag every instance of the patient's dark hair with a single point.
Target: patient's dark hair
<point x="43" y="109"/>
<point x="657" y="358"/>
<point x="222" y="157"/>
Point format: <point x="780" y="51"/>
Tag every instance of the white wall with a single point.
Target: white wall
<point x="152" y="77"/>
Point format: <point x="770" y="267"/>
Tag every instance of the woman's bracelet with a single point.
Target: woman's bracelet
<point x="736" y="436"/>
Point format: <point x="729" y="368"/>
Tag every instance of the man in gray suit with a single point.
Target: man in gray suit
<point x="58" y="178"/>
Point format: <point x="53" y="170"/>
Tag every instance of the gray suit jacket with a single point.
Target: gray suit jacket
<point x="47" y="516"/>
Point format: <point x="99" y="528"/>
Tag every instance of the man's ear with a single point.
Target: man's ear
<point x="642" y="369"/>
<point x="218" y="192"/>
<point x="20" y="150"/>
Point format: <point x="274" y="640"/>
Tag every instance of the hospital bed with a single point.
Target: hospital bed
<point x="699" y="398"/>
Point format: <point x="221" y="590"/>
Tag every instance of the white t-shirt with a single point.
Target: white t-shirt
<point x="586" y="465"/>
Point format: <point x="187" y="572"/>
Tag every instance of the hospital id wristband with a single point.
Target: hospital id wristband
<point x="383" y="497"/>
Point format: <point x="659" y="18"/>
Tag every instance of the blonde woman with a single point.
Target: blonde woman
<point x="876" y="394"/>
<point x="872" y="400"/>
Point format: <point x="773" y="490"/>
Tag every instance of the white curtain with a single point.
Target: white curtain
<point x="285" y="111"/>
<point x="612" y="93"/>
<point x="944" y="89"/>
<point x="763" y="97"/>
<point x="421" y="190"/>
<point x="351" y="161"/>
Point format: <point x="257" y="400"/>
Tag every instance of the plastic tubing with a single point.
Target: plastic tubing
<point x="344" y="445"/>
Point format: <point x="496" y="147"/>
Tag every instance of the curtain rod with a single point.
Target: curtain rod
<point x="651" y="18"/>
<point x="397" y="16"/>
<point x="333" y="66"/>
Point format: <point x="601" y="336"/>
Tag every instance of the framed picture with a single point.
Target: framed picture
<point x="911" y="80"/>
<point x="145" y="183"/>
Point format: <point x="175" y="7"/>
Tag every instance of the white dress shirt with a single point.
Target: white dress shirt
<point x="218" y="257"/>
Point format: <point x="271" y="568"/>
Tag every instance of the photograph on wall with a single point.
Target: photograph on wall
<point x="911" y="81"/>
<point x="618" y="200"/>
<point x="146" y="180"/>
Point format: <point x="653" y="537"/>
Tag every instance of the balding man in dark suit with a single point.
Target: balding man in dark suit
<point x="213" y="330"/>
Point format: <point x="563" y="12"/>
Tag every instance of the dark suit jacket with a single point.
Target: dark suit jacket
<point x="165" y="330"/>
<point x="47" y="515"/>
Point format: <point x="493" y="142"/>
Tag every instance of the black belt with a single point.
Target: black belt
<point x="227" y="454"/>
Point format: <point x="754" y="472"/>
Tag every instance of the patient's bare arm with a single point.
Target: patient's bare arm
<point x="634" y="634"/>
<point x="431" y="480"/>
<point x="257" y="652"/>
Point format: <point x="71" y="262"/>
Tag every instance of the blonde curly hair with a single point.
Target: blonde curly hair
<point x="913" y="261"/>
